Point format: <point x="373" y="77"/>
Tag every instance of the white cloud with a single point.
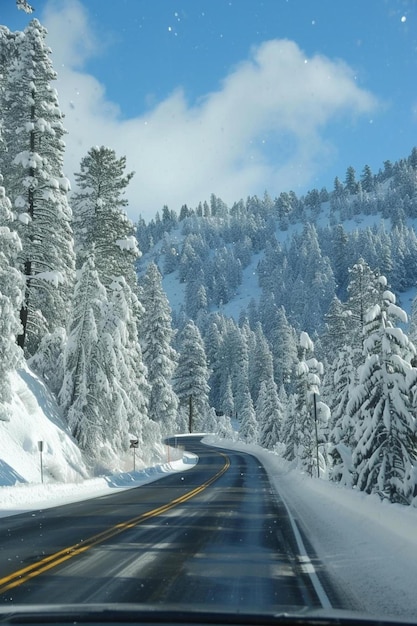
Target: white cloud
<point x="263" y="129"/>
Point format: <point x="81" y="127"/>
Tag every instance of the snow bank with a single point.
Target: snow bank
<point x="35" y="418"/>
<point x="30" y="497"/>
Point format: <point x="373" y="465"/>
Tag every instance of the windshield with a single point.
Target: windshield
<point x="208" y="262"/>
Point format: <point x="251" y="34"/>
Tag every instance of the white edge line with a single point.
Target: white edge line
<point x="318" y="587"/>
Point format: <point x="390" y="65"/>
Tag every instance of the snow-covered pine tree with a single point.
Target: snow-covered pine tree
<point x="313" y="285"/>
<point x="235" y="389"/>
<point x="269" y="413"/>
<point x="290" y="430"/>
<point x="158" y="354"/>
<point x="80" y="396"/>
<point x="297" y="420"/>
<point x="306" y="434"/>
<point x="335" y="333"/>
<point x="48" y="360"/>
<point x="100" y="221"/>
<point x="227" y="405"/>
<point x="33" y="165"/>
<point x="195" y="298"/>
<point x="23" y="5"/>
<point x="249" y="429"/>
<point x="342" y="427"/>
<point x="260" y="362"/>
<point x="104" y="393"/>
<point x="236" y="364"/>
<point x="9" y="45"/>
<point x="110" y="385"/>
<point x="362" y="290"/>
<point x="191" y="377"/>
<point x="340" y="255"/>
<point x="213" y="344"/>
<point x="284" y="348"/>
<point x="224" y="427"/>
<point x="314" y="452"/>
<point x="102" y="229"/>
<point x="385" y="452"/>
<point x="133" y="374"/>
<point x="413" y="321"/>
<point x="11" y="298"/>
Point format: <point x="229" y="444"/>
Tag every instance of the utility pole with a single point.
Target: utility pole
<point x="190" y="414"/>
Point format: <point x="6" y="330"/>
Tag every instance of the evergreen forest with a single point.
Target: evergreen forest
<point x="318" y="364"/>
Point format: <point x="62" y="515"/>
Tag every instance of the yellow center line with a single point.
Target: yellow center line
<point x="30" y="571"/>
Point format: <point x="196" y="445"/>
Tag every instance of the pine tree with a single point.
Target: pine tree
<point x="10" y="42"/>
<point x="48" y="360"/>
<point x="158" y="353"/>
<point x="224" y="427"/>
<point x="413" y="321"/>
<point x="342" y="427"/>
<point x="339" y="255"/>
<point x="11" y="298"/>
<point x="350" y="180"/>
<point x="335" y="333"/>
<point x="191" y="377"/>
<point x="227" y="404"/>
<point x="269" y="412"/>
<point x="100" y="222"/>
<point x="236" y="361"/>
<point x="284" y="348"/>
<point x="80" y="396"/>
<point x="23" y="5"/>
<point x="311" y="279"/>
<point x="248" y="430"/>
<point x="104" y="232"/>
<point x="367" y="179"/>
<point x="304" y="430"/>
<point x="110" y="385"/>
<point x="362" y="291"/>
<point x="385" y="453"/>
<point x="290" y="431"/>
<point x="33" y="165"/>
<point x="260" y="362"/>
<point x="104" y="391"/>
<point x="132" y="371"/>
<point x="213" y="345"/>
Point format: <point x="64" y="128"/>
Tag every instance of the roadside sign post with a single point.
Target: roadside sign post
<point x="134" y="443"/>
<point x="40" y="448"/>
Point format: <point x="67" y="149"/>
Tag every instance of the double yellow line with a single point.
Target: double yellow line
<point x="21" y="576"/>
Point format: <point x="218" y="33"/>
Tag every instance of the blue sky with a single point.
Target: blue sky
<point x="233" y="97"/>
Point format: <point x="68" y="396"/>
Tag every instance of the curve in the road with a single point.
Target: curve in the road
<point x="218" y="535"/>
<point x="24" y="574"/>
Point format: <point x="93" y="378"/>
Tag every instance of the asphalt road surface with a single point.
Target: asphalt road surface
<point x="215" y="535"/>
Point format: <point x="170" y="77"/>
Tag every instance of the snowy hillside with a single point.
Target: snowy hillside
<point x="249" y="287"/>
<point x="35" y="417"/>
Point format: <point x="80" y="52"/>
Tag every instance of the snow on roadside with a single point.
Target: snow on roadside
<point x="35" y="418"/>
<point x="368" y="548"/>
<point x="30" y="497"/>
